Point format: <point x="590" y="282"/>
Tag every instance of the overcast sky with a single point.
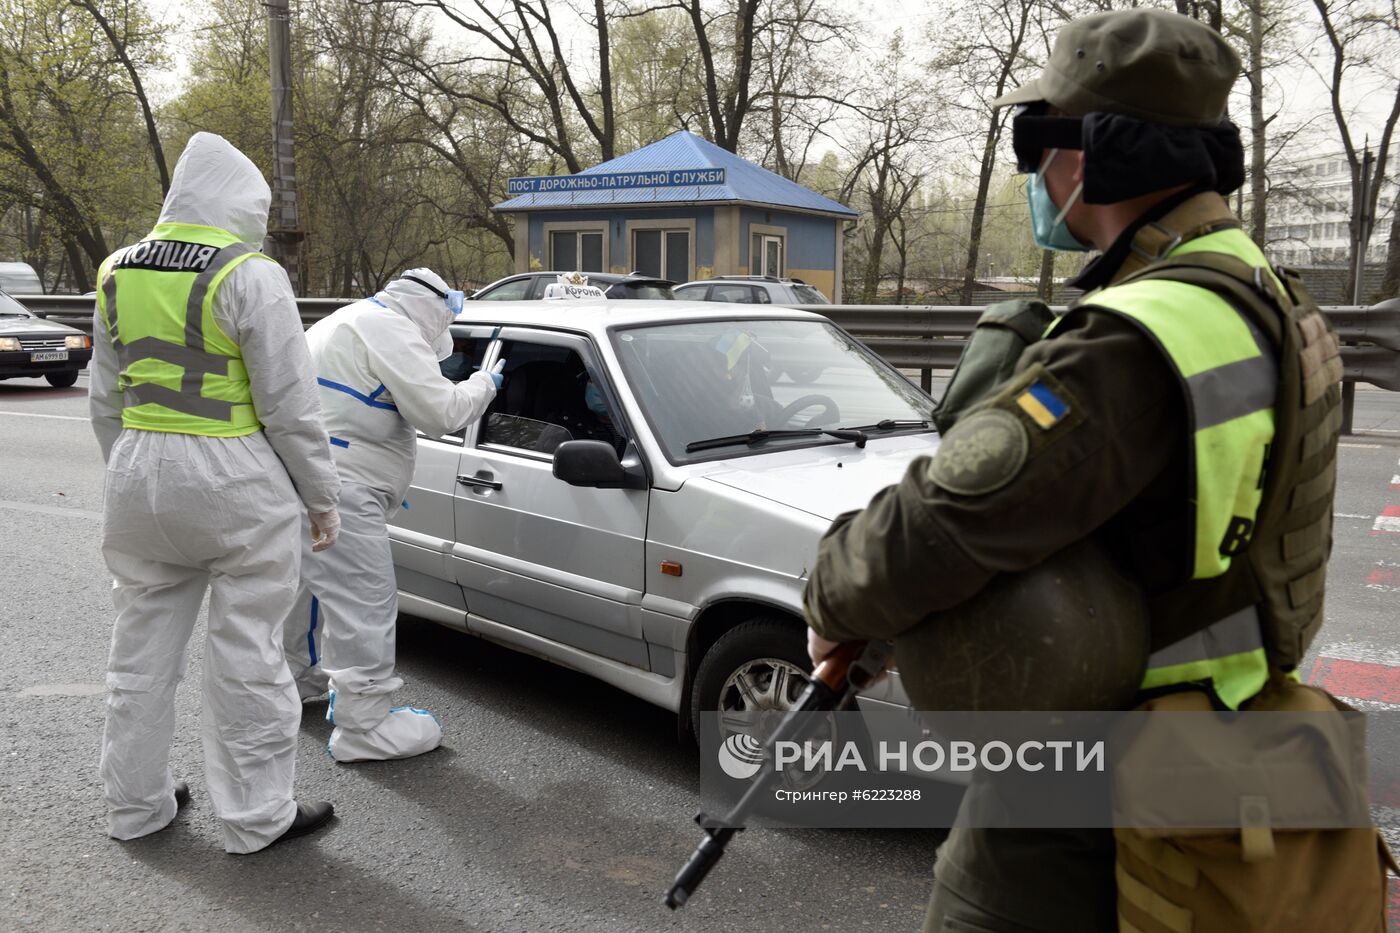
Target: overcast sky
<point x="1297" y="86"/>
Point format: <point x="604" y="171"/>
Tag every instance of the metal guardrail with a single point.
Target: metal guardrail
<point x="929" y="337"/>
<point x="76" y="310"/>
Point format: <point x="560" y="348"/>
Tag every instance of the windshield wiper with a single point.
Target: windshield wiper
<point x="759" y="436"/>
<point x="888" y="424"/>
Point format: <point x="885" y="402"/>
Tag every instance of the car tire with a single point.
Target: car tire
<point x="758" y="641"/>
<point x="761" y="637"/>
<point x="62" y="380"/>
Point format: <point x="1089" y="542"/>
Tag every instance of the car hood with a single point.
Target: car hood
<point x="34" y="325"/>
<point x="824" y="481"/>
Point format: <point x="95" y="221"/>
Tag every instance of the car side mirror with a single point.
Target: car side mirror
<point x="596" y="464"/>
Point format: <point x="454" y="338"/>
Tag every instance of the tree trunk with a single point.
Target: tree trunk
<point x="81" y="283"/>
<point x="1258" y="128"/>
<point x="147" y="113"/>
<point x="979" y="207"/>
<point x="1045" y="290"/>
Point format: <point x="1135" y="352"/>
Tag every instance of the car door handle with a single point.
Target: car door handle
<point x="478" y="482"/>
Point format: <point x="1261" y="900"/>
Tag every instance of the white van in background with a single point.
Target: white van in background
<point x="19" y="278"/>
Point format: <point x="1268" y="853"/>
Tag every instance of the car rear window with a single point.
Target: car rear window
<point x="650" y="291"/>
<point x="808" y="295"/>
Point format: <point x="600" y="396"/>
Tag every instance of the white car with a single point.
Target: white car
<point x="644" y="499"/>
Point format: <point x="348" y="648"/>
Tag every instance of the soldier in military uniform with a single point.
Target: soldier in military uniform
<point x="1183" y="415"/>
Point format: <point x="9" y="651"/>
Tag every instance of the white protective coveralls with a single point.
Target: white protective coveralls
<point x="184" y="514"/>
<point x="377" y="363"/>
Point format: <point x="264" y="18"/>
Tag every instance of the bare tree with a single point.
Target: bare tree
<point x="540" y="91"/>
<point x="1359" y="40"/>
<point x="985" y="55"/>
<point x="118" y="34"/>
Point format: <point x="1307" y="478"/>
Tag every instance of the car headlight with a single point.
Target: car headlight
<point x="77" y="342"/>
<point x="9" y="343"/>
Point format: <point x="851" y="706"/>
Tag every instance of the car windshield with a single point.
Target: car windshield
<point x="808" y="295"/>
<point x="710" y="385"/>
<point x="11" y="308"/>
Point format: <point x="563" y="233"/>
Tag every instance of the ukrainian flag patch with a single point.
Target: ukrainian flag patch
<point x="1043" y="406"/>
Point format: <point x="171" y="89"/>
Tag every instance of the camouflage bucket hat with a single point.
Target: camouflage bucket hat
<point x="1150" y="64"/>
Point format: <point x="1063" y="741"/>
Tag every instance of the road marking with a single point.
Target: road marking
<point x="1368" y="654"/>
<point x="1363" y="446"/>
<point x="30" y="414"/>
<point x="50" y="510"/>
<point x="1395" y="482"/>
<point x="1364" y="518"/>
<point x="64" y="690"/>
<point x="1361" y="681"/>
<point x="1384" y="579"/>
<point x="1388" y="522"/>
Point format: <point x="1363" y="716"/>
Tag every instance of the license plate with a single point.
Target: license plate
<point x="48" y="356"/>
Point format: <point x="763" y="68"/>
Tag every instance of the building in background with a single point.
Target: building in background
<point x="1310" y="213"/>
<point x="680" y="209"/>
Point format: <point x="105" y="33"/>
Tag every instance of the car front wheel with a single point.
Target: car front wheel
<point x="758" y="667"/>
<point x="62" y="380"/>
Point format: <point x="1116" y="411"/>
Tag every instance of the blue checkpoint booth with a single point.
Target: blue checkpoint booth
<point x="680" y="209"/>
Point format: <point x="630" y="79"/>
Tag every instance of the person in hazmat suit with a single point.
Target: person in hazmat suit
<point x="204" y="403"/>
<point x="377" y="362"/>
<point x="1182" y="416"/>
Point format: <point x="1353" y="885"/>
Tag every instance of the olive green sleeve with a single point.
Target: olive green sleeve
<point x="1024" y="488"/>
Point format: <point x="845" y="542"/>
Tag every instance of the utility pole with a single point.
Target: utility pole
<point x="285" y="226"/>
<point x="1363" y="224"/>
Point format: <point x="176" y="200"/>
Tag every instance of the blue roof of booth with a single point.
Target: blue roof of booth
<point x="744" y="182"/>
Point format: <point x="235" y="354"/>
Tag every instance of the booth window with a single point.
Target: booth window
<point x="766" y="255"/>
<point x="664" y="254"/>
<point x="576" y="250"/>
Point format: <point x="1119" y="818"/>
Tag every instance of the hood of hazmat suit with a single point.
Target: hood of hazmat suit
<point x="215" y="185"/>
<point x="377" y="363"/>
<point x="185" y="513"/>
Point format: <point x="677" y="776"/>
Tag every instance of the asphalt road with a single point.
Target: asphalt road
<point x="556" y="802"/>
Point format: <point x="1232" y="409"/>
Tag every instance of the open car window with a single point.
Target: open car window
<point x="546" y="400"/>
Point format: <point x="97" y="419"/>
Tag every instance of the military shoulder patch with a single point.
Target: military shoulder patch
<point x="982" y="453"/>
<point x="1044" y="407"/>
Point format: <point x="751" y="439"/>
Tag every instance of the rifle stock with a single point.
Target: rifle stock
<point x="834" y="685"/>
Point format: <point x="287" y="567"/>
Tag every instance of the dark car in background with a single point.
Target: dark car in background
<point x="530" y="286"/>
<point x="31" y="346"/>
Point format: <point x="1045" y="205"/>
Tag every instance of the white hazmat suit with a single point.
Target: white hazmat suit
<point x="377" y="363"/>
<point x="185" y="514"/>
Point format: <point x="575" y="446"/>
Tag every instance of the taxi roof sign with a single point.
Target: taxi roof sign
<point x="566" y="291"/>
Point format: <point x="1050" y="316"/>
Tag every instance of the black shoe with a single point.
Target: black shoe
<point x="310" y="817"/>
<point x="182" y="795"/>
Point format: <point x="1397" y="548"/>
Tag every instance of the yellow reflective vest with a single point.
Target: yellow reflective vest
<point x="178" y="371"/>
<point x="1229" y="373"/>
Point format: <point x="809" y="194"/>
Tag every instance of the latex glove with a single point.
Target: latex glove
<point x="818" y="648"/>
<point x="496" y="376"/>
<point x="325" y="528"/>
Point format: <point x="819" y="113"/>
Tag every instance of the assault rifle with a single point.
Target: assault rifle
<point x="835" y="683"/>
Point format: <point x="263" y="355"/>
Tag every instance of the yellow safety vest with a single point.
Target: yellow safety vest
<point x="179" y="372"/>
<point x="1230" y="376"/>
